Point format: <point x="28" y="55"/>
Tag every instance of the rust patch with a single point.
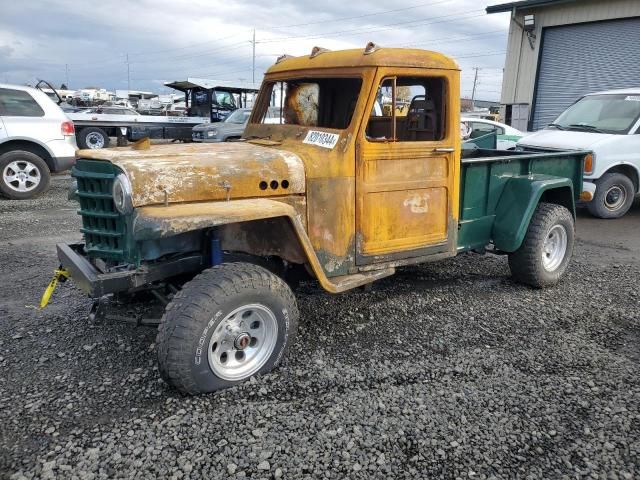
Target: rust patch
<point x="331" y="211"/>
<point x="263" y="238"/>
<point x="160" y="221"/>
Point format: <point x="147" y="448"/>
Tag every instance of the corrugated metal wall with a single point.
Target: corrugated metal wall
<point x="584" y="58"/>
<point x="522" y="60"/>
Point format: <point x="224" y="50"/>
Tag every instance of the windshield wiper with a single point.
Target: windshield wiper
<point x="583" y="126"/>
<point x="559" y="127"/>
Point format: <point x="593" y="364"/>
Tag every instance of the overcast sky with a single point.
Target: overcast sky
<point x="174" y="39"/>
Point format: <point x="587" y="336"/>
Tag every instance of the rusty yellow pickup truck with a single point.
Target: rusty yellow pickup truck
<point x="338" y="187"/>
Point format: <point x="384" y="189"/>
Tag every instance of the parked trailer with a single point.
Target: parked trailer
<point x="205" y="100"/>
<point x="94" y="129"/>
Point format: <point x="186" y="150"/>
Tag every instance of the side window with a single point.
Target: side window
<point x="480" y="128"/>
<point x="225" y="99"/>
<point x="18" y="103"/>
<point x="408" y="109"/>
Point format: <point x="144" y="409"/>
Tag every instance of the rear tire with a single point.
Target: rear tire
<point x="231" y="322"/>
<point x="93" y="138"/>
<point x="614" y="196"/>
<point x="546" y="249"/>
<point x="23" y="175"/>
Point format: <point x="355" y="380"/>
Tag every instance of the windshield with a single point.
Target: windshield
<point x="601" y="113"/>
<point x="311" y="102"/>
<point x="224" y="99"/>
<point x="239" y="116"/>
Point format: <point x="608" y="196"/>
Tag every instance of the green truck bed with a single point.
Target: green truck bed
<point x="501" y="189"/>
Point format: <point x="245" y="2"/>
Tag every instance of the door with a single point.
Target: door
<point x="584" y="58"/>
<point x="407" y="167"/>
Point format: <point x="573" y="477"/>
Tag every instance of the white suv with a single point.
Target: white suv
<point x="608" y="124"/>
<point x="36" y="138"/>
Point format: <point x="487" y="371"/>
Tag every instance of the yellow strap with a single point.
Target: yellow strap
<point x="57" y="275"/>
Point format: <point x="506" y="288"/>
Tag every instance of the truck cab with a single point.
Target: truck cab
<point x="339" y="187"/>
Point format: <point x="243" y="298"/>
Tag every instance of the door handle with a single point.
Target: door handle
<point x="444" y="149"/>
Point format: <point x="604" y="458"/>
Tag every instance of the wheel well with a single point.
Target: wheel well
<point x="110" y="131"/>
<point x="559" y="196"/>
<point x="272" y="237"/>
<point x="29" y="147"/>
<point x="628" y="171"/>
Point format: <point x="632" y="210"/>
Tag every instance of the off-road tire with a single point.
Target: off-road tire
<point x="598" y="206"/>
<point x="86" y="132"/>
<point x="33" y="159"/>
<point x="192" y="316"/>
<point x="526" y="263"/>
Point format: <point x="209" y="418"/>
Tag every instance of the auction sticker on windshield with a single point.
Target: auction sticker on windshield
<point x="321" y="139"/>
<point x="633" y="98"/>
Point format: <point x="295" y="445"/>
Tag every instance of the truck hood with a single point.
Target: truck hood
<point x="201" y="172"/>
<point x="564" y="139"/>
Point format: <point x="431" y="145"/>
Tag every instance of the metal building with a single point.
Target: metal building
<point x="559" y="50"/>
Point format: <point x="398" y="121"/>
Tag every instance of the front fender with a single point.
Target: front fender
<point x="519" y="200"/>
<point x="164" y="221"/>
<point x="155" y="222"/>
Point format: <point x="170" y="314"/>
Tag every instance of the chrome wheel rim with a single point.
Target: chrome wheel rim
<point x="554" y="248"/>
<point x="21" y="176"/>
<point x="94" y="140"/>
<point x="615" y="197"/>
<point x="243" y="342"/>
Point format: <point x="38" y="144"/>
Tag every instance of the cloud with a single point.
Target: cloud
<point x="167" y="40"/>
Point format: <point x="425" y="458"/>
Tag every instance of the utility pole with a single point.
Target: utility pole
<point x="253" y="58"/>
<point x="128" y="76"/>
<point x="473" y="92"/>
<point x="66" y="74"/>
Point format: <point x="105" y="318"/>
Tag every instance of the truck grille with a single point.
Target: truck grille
<point x="103" y="226"/>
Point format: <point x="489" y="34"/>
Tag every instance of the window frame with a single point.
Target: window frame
<point x="377" y="82"/>
<point x="260" y="111"/>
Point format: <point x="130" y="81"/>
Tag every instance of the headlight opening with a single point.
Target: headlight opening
<point x="122" y="194"/>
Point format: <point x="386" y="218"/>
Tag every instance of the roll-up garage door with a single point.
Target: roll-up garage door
<point x="584" y="58"/>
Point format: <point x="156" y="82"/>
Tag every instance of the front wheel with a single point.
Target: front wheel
<point x="614" y="196"/>
<point x="546" y="249"/>
<point x="231" y="322"/>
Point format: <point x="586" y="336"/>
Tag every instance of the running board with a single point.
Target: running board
<point x="346" y="282"/>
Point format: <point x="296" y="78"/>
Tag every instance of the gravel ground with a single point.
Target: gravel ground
<point x="446" y="370"/>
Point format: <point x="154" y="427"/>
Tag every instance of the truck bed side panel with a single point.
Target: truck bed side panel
<point x="483" y="181"/>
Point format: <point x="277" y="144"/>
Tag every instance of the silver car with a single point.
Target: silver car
<point x="230" y="129"/>
<point x="36" y="138"/>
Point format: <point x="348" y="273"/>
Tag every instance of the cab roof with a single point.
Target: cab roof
<point x="376" y="57"/>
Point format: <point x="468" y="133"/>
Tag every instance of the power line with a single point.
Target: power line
<point x="452" y="39"/>
<point x="376" y="14"/>
<point x="389" y="26"/>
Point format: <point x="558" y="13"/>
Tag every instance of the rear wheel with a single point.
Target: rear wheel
<point x="547" y="247"/>
<point x="231" y="322"/>
<point x="614" y="196"/>
<point x="23" y="175"/>
<point x="93" y="138"/>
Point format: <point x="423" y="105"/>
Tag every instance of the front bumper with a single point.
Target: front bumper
<point x="60" y="164"/>
<point x="588" y="191"/>
<point x="200" y="139"/>
<point x="96" y="283"/>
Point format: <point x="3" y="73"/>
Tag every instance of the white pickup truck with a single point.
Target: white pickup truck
<point x="608" y="124"/>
